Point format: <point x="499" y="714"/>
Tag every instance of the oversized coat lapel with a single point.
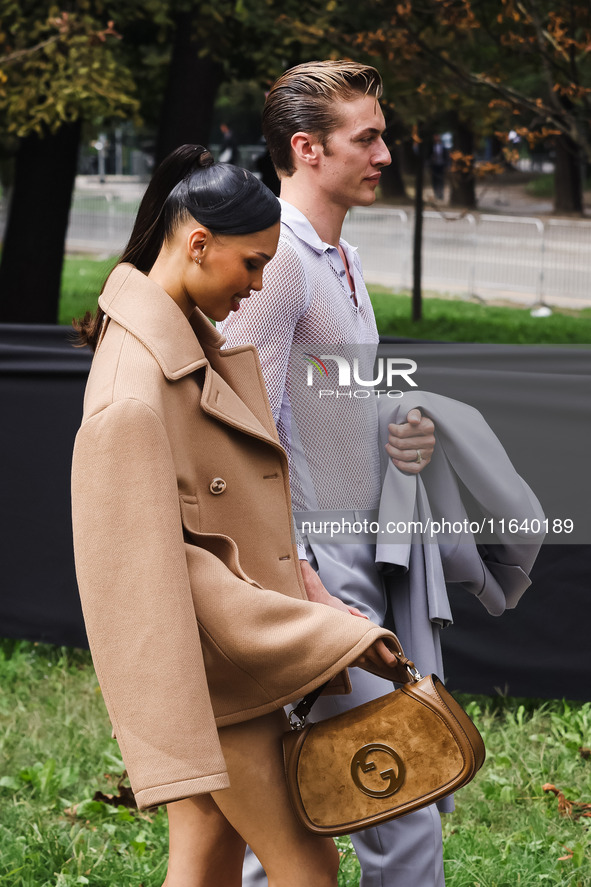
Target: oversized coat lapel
<point x="233" y="390"/>
<point x="221" y="401"/>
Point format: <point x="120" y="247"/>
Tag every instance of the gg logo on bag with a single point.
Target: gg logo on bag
<point x="360" y="764"/>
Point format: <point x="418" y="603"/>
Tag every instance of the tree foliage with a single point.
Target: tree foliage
<point x="58" y="66"/>
<point x="477" y="66"/>
<point x="521" y="65"/>
<point x="488" y="66"/>
<point x="529" y="58"/>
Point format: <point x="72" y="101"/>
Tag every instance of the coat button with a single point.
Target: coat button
<point x="217" y="486"/>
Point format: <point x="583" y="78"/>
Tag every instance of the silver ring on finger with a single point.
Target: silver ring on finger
<point x="419" y="457"/>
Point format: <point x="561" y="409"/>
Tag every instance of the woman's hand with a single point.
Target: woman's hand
<point x="378" y="654"/>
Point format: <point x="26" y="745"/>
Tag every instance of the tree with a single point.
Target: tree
<point x="55" y="71"/>
<point x="186" y="57"/>
<point x="528" y="60"/>
<point x="191" y="88"/>
<point x="62" y="70"/>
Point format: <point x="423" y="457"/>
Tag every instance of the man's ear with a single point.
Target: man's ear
<point x="307" y="148"/>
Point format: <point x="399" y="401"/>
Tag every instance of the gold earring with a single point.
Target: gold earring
<point x="197" y="261"/>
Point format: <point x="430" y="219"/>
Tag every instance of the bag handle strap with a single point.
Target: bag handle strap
<point x="297" y="716"/>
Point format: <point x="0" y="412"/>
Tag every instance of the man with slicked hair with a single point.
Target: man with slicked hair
<point x="324" y="130"/>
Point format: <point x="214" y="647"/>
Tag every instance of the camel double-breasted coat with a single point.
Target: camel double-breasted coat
<point x="187" y="568"/>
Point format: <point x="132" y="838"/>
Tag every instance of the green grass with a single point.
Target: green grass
<point x="448" y="320"/>
<point x="541" y="186"/>
<point x="56" y="752"/>
<point x="506" y="830"/>
<point x="456" y="320"/>
<point x="82" y="281"/>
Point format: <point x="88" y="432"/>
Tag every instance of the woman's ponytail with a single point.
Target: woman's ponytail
<point x="150" y="229"/>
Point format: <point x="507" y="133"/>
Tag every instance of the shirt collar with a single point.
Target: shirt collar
<point x="297" y="222"/>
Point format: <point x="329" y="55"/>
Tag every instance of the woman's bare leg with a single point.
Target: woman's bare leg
<point x="208" y="833"/>
<point x="204" y="849"/>
<point x="258" y="807"/>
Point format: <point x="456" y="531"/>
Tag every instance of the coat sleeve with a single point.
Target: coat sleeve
<point x="136" y="597"/>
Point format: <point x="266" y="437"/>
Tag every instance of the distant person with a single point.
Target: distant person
<point x="438" y="160"/>
<point x="514" y="144"/>
<point x="229" y="148"/>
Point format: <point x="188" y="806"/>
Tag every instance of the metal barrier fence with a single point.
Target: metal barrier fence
<point x="470" y="254"/>
<point x="477" y="255"/>
<point x="101" y="219"/>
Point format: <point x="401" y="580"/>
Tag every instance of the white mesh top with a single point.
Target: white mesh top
<point x="305" y="311"/>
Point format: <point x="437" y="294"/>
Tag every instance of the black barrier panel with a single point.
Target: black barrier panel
<point x="539" y="649"/>
<point x="42" y="379"/>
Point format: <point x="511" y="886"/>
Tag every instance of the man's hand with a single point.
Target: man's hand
<point x="411" y="445"/>
<point x="378" y="654"/>
<point x="317" y="592"/>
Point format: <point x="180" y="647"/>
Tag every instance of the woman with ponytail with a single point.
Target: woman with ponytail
<point x="195" y="609"/>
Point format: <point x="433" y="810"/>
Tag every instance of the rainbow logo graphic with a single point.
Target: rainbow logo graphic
<point x="316" y="362"/>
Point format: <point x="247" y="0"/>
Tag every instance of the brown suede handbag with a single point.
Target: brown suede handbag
<point x="380" y="760"/>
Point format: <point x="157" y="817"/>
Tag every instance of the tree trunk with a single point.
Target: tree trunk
<point x="568" y="181"/>
<point x="189" y="97"/>
<point x="463" y="191"/>
<point x="33" y="251"/>
<point x="417" y="256"/>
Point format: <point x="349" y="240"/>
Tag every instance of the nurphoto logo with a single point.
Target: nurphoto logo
<point x="387" y="370"/>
